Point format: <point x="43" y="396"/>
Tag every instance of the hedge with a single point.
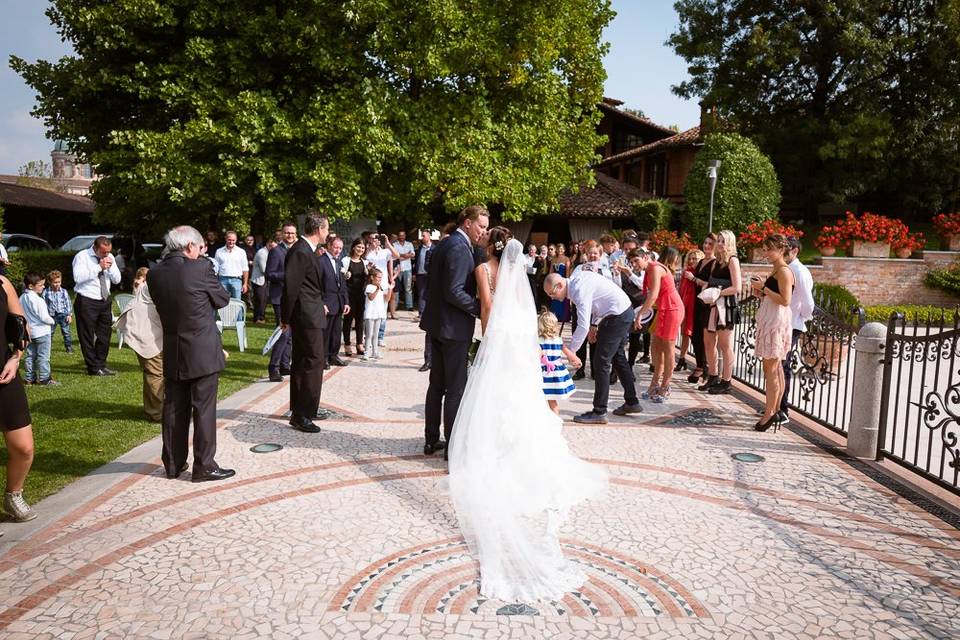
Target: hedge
<point x="835" y="298"/>
<point x="41" y="262"/>
<point x="652" y="214"/>
<point x="944" y="279"/>
<point x="922" y="314"/>
<point x="748" y="189"/>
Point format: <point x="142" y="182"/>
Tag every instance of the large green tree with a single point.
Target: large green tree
<point x="236" y="110"/>
<point x="851" y="98"/>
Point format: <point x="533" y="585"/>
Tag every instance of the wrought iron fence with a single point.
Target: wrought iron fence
<point x="920" y="405"/>
<point x="822" y="365"/>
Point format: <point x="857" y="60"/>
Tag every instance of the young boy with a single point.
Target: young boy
<point x="41" y="328"/>
<point x="59" y="307"/>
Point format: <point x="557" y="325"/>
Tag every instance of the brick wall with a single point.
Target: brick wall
<point x="880" y="280"/>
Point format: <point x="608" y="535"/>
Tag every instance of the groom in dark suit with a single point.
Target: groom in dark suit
<point x="301" y="308"/>
<point x="449" y="318"/>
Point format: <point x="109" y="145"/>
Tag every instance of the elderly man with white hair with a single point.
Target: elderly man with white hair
<point x="187" y="294"/>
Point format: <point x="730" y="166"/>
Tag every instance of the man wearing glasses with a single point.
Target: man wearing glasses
<point x="280" y="355"/>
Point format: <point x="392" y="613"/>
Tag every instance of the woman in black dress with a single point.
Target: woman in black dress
<point x="701" y="310"/>
<point x="718" y="339"/>
<point x="14" y="412"/>
<point x="356" y="279"/>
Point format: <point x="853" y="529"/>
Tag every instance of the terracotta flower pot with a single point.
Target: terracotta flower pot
<point x="871" y="249"/>
<point x="755" y="255"/>
<point x="954" y="242"/>
<point x="904" y="253"/>
<point x="827" y="251"/>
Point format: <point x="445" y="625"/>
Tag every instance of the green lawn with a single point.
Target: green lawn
<point x="89" y="421"/>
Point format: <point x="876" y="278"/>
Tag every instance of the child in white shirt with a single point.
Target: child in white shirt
<point x="41" y="325"/>
<point x="374" y="312"/>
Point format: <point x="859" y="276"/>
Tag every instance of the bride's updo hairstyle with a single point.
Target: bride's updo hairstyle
<point x="497" y="240"/>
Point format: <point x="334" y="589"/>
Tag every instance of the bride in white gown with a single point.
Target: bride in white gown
<point x="512" y="477"/>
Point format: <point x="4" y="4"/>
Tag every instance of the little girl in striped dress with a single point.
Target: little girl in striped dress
<point x="557" y="383"/>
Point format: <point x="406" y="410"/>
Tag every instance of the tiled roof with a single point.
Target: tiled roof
<point x="608" y="198"/>
<point x="15" y="195"/>
<point x="682" y="139"/>
<point x="638" y="119"/>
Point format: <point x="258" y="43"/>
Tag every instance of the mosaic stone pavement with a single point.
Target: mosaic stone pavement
<point x="349" y="534"/>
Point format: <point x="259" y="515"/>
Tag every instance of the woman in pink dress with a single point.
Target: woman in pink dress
<point x="661" y="289"/>
<point x="774" y="327"/>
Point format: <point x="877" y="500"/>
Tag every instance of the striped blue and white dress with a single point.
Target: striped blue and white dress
<point x="557" y="384"/>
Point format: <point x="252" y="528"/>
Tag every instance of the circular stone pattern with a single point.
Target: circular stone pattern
<point x="444" y="578"/>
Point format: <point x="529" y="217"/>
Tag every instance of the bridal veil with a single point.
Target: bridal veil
<point x="512" y="476"/>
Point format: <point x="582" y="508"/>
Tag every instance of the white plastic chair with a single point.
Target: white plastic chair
<point x="121" y="300"/>
<point x="233" y="316"/>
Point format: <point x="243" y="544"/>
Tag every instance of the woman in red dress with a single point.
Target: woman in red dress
<point x="688" y="293"/>
<point x="659" y="283"/>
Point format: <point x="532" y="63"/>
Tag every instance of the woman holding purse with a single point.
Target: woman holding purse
<point x="14" y="412"/>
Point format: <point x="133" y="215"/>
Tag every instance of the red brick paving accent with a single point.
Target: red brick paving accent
<point x="458" y="605"/>
<point x="880" y="525"/>
<point x="341" y="595"/>
<point x="25" y="549"/>
<point x="57" y="586"/>
<point x="417" y="594"/>
<point x="840" y="539"/>
<point x="625" y="608"/>
<point x="364" y="600"/>
<point x="574" y="605"/>
<point x="433" y="597"/>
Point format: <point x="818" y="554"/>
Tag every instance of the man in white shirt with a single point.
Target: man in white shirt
<point x="4" y="260"/>
<point x="258" y="280"/>
<point x="405" y="250"/>
<point x="801" y="310"/>
<point x="94" y="271"/>
<point x="232" y="269"/>
<point x="605" y="316"/>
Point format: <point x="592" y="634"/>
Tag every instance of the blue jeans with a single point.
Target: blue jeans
<point x="61" y="320"/>
<point x="38" y="359"/>
<point x="233" y="286"/>
<point x="383" y="330"/>
<point x="406" y="283"/>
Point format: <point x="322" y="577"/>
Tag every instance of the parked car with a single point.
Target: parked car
<point x="143" y="254"/>
<point x="79" y="243"/>
<point x="23" y="242"/>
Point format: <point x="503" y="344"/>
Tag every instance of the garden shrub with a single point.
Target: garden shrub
<point x="944" y="279"/>
<point x="835" y="298"/>
<point x="748" y="189"/>
<point x="922" y="314"/>
<point x="41" y="262"/>
<point x="652" y="214"/>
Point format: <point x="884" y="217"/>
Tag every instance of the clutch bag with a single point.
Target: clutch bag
<point x="15" y="329"/>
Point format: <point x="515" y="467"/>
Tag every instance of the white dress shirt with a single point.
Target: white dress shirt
<point x="402" y="248"/>
<point x="596" y="298"/>
<point x="232" y="262"/>
<point x="801" y="303"/>
<point x="86" y="274"/>
<point x="257" y="276"/>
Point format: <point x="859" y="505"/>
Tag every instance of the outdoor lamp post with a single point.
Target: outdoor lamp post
<point x="712" y="175"/>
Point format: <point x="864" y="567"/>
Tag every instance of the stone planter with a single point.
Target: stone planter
<point x="903" y="253"/>
<point x="827" y="251"/>
<point x="953" y="242"/>
<point x="871" y="249"/>
<point x="755" y="255"/>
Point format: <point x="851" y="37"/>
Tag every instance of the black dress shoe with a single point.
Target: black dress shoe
<point x="327" y="367"/>
<point x="284" y="371"/>
<point x="430" y="449"/>
<point x="213" y="475"/>
<point x="173" y="475"/>
<point x="103" y="372"/>
<point x="337" y="362"/>
<point x="425" y="367"/>
<point x="275" y="376"/>
<point x="302" y="424"/>
<point x="579" y="375"/>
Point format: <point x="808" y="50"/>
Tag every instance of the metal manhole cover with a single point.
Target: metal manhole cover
<point x="266" y="447"/>
<point x="747" y="457"/>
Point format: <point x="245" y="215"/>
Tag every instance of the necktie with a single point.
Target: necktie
<point x="104" y="289"/>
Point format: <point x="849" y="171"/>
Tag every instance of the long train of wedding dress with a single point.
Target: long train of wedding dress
<point x="512" y="476"/>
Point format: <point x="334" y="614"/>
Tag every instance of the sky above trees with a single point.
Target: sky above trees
<point x="640" y="70"/>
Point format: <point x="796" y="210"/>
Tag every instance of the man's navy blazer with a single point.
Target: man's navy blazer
<point x="452" y="307"/>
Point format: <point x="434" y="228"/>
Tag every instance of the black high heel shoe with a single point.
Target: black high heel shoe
<point x="681" y="366"/>
<point x="711" y="382"/>
<point x="694" y="377"/>
<point x="773" y="421"/>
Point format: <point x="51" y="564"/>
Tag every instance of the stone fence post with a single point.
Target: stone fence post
<point x="863" y="431"/>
